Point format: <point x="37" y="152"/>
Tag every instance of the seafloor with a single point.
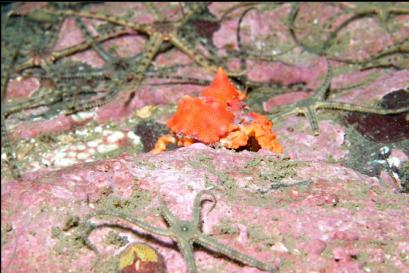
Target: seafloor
<point x="85" y="99"/>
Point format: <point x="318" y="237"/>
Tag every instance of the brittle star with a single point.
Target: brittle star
<point x="381" y="10"/>
<point x="309" y="106"/>
<point x="41" y="54"/>
<point x="59" y="54"/>
<point x="358" y="10"/>
<point x="159" y="32"/>
<point x="114" y="70"/>
<point x="185" y="233"/>
<point x="117" y="70"/>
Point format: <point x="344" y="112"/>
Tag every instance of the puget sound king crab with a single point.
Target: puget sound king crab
<point x="219" y="117"/>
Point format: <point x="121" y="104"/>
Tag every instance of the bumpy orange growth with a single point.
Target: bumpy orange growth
<point x="260" y="128"/>
<point x="222" y="89"/>
<point x="205" y="120"/>
<point x="217" y="117"/>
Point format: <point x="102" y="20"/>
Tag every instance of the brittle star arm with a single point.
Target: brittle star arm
<point x="87" y="226"/>
<point x="31" y="103"/>
<point x="131" y="219"/>
<point x="56" y="55"/>
<point x="197" y="207"/>
<point x="380" y="10"/>
<point x="308" y="107"/>
<point x="322" y="90"/>
<point x="168" y="34"/>
<point x="186" y="249"/>
<point x="5" y="77"/>
<point x="356" y="108"/>
<point x="105" y="56"/>
<point x="100" y="16"/>
<point x="215" y="246"/>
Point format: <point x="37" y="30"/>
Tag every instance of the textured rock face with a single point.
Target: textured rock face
<point x="301" y="216"/>
<point x="309" y="210"/>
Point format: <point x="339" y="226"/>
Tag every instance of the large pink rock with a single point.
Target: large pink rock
<point x="286" y="226"/>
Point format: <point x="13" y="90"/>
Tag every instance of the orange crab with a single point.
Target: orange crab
<point x="219" y="117"/>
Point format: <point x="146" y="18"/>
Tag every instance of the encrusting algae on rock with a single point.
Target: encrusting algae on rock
<point x="219" y="117"/>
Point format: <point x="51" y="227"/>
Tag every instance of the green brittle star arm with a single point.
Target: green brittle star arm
<point x="217" y="247"/>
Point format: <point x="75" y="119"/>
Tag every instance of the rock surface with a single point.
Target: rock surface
<point x="309" y="210"/>
<point x="285" y="212"/>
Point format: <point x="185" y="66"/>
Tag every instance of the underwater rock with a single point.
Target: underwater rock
<point x="366" y="210"/>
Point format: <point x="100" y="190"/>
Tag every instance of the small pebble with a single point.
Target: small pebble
<point x="93" y="143"/>
<point x="279" y="247"/>
<point x="64" y="162"/>
<point x="82" y="116"/>
<point x="106" y="148"/>
<point x="136" y="140"/>
<point x="114" y="137"/>
<point x="82" y="156"/>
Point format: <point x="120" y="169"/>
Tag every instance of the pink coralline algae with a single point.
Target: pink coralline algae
<point x="306" y="210"/>
<point x="342" y="209"/>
